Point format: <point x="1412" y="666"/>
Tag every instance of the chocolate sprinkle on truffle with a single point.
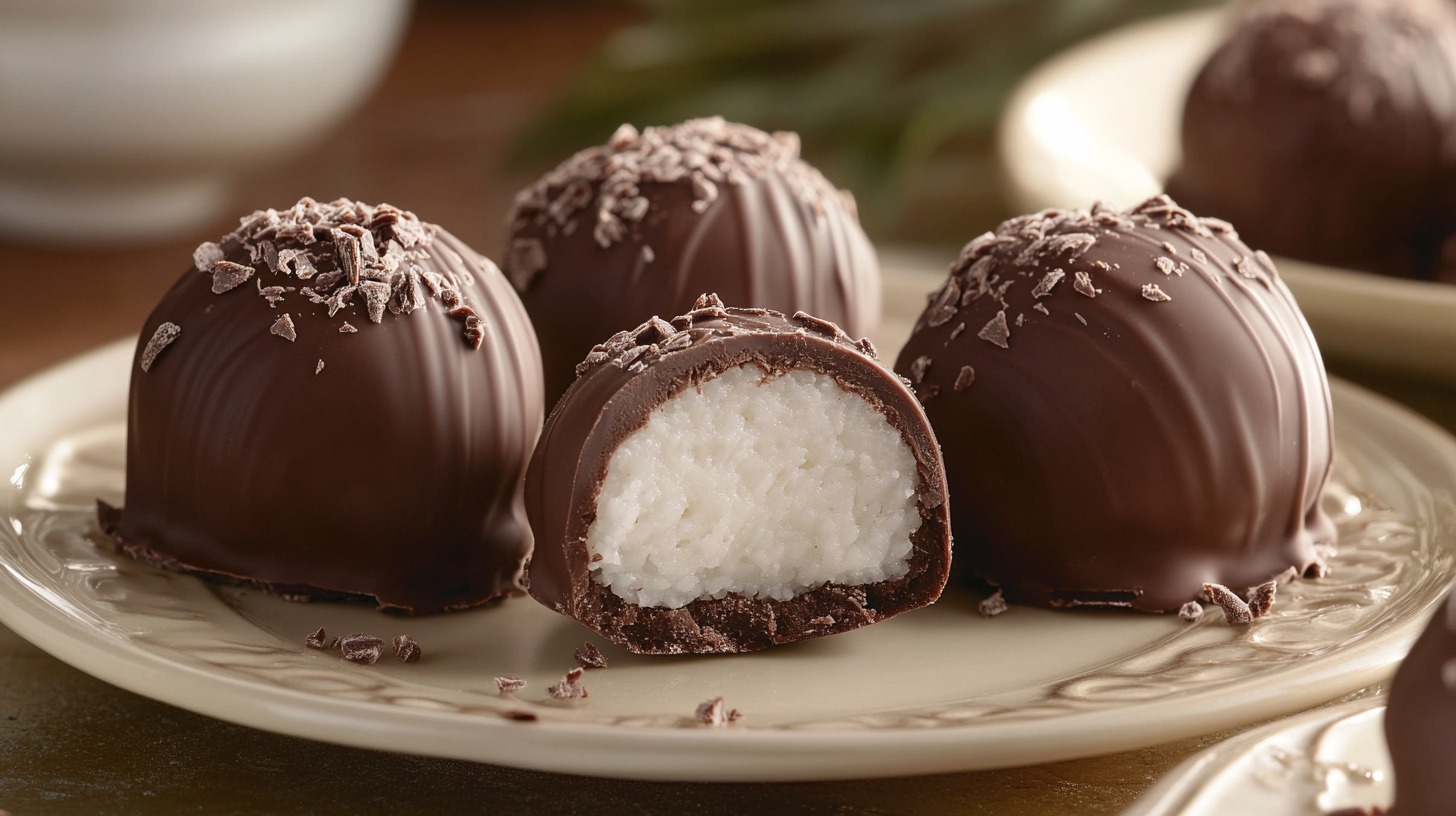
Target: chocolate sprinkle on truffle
<point x="161" y="338"/>
<point x="1166" y="446"/>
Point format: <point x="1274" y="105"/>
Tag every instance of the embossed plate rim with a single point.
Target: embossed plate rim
<point x="852" y="748"/>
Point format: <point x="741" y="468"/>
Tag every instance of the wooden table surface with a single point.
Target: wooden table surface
<point x="72" y="744"/>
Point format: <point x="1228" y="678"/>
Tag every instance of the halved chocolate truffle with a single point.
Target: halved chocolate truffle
<point x="1326" y="130"/>
<point x="1130" y="405"/>
<point x="639" y="226"/>
<point x="732" y="480"/>
<point x="337" y="400"/>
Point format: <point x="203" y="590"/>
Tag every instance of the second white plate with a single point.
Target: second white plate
<point x="1100" y="123"/>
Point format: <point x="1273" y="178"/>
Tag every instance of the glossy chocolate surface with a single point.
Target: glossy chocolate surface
<point x="1420" y="720"/>
<point x="622" y="381"/>
<point x="642" y="225"/>
<point x="1129" y="405"/>
<point x="331" y="438"/>
<point x="1326" y="130"/>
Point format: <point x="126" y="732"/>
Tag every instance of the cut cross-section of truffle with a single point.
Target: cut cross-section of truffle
<point x="1326" y="130"/>
<point x="639" y="226"/>
<point x="395" y="475"/>
<point x="1116" y="450"/>
<point x="732" y="480"/>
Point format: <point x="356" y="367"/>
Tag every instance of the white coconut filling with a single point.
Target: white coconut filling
<point x="764" y="488"/>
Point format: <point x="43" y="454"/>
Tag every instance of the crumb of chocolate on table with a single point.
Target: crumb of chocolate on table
<point x="407" y="649"/>
<point x="518" y="715"/>
<point x="570" y="686"/>
<point x="506" y="685"/>
<point x="992" y="606"/>
<point x="1191" y="612"/>
<point x="361" y="648"/>
<point x="318" y="639"/>
<point x="1238" y="611"/>
<point x="714" y="714"/>
<point x="588" y="656"/>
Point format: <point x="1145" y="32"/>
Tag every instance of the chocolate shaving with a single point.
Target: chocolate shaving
<point x="964" y="378"/>
<point x="1191" y="612"/>
<point x="227" y="276"/>
<point x="506" y="684"/>
<point x="318" y="368"/>
<point x="996" y="331"/>
<point x="569" y="687"/>
<point x="346" y="328"/>
<point x="1047" y="283"/>
<point x="918" y="367"/>
<point x="1082" y="282"/>
<point x="712" y="713"/>
<point x="161" y="338"/>
<point x="1261" y="598"/>
<point x="1040" y="307"/>
<point x="364" y="649"/>
<point x="407" y="649"/>
<point x="1152" y="292"/>
<point x="993" y="605"/>
<point x="588" y="656"/>
<point x="207" y="255"/>
<point x="317" y="639"/>
<point x="1235" y="610"/>
<point x="283" y="327"/>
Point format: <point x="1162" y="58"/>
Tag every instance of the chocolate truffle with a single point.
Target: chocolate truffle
<point x="336" y="401"/>
<point x="1420" y="720"/>
<point x="733" y="480"/>
<point x="1130" y="405"/>
<point x="641" y="225"/>
<point x="1326" y="130"/>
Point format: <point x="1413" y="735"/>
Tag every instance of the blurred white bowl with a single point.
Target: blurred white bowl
<point x="125" y="120"/>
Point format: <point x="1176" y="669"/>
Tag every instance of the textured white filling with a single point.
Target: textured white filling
<point x="762" y="488"/>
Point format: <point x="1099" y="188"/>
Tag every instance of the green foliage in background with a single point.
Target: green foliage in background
<point x="874" y="87"/>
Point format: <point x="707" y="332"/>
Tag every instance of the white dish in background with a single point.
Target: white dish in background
<point x="1100" y="122"/>
<point x="937" y="690"/>
<point x="1307" y="765"/>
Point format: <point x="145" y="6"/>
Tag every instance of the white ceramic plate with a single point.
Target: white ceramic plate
<point x="1100" y="122"/>
<point x="937" y="690"/>
<point x="1308" y="765"/>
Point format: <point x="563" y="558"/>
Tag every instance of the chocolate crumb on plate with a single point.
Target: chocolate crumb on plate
<point x="992" y="606"/>
<point x="588" y="656"/>
<point x="1261" y="598"/>
<point x="407" y="649"/>
<point x="1191" y="612"/>
<point x="713" y="713"/>
<point x="520" y="716"/>
<point x="317" y="639"/>
<point x="1235" y="609"/>
<point x="569" y="687"/>
<point x="507" y="684"/>
<point x="361" y="648"/>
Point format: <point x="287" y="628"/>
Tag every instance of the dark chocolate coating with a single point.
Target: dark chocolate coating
<point x="1420" y="720"/>
<point x="1129" y="444"/>
<point x="773" y="234"/>
<point x="632" y="374"/>
<point x="391" y="474"/>
<point x="1326" y="130"/>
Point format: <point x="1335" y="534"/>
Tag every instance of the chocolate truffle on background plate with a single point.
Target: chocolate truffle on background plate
<point x="643" y="224"/>
<point x="1420" y="720"/>
<point x="1326" y="131"/>
<point x="1129" y="404"/>
<point x="732" y="480"/>
<point x="336" y="401"/>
